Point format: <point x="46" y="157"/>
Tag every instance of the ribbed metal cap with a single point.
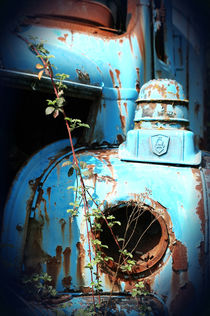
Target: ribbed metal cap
<point x="161" y="90"/>
<point x="161" y="101"/>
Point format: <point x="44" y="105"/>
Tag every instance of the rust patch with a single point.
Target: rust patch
<point x="66" y="260"/>
<point x="126" y="107"/>
<point x="131" y="45"/>
<point x="138" y="74"/>
<point x="118" y="87"/>
<point x="54" y="265"/>
<point x="49" y="194"/>
<point x="86" y="12"/>
<point x="39" y="200"/>
<point x="110" y="280"/>
<point x="104" y="155"/>
<point x="153" y="243"/>
<point x="85" y="289"/>
<point x="123" y="121"/>
<point x="58" y="171"/>
<point x="122" y="117"/>
<point x="179" y="257"/>
<point x="120" y="139"/>
<point x="130" y="285"/>
<point x="83" y="76"/>
<point x="138" y="80"/>
<point x="137" y="86"/>
<point x="66" y="282"/>
<point x="95" y="177"/>
<point x="118" y="78"/>
<point x="63" y="39"/>
<point x="106" y="179"/>
<point x="80" y="263"/>
<point x="183" y="295"/>
<point x="63" y="224"/>
<point x="34" y="255"/>
<point x="112" y="77"/>
<point x="34" y="186"/>
<point x="162" y="89"/>
<point x="147" y="111"/>
<point x="141" y="40"/>
<point x="99" y="69"/>
<point x="200" y="207"/>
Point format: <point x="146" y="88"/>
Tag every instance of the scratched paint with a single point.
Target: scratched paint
<point x="52" y="246"/>
<point x="108" y="175"/>
<point x="172" y="195"/>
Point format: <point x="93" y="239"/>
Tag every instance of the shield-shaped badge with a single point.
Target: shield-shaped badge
<point x="159" y="144"/>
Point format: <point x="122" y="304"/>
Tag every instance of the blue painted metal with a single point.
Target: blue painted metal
<point x="161" y="134"/>
<point x="183" y="43"/>
<point x="54" y="243"/>
<point x="168" y="181"/>
<point x="96" y="58"/>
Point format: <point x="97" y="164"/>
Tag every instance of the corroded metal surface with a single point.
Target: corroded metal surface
<point x="91" y="12"/>
<point x="38" y="233"/>
<point x="161" y="133"/>
<point x="57" y="244"/>
<point x="92" y="56"/>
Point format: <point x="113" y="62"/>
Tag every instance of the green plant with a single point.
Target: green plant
<point x="39" y="287"/>
<point x="139" y="289"/>
<point x="83" y="199"/>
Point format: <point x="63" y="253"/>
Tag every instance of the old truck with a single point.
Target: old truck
<point x="136" y="77"/>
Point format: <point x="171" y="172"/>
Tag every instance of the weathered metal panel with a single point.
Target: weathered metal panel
<point x="18" y="206"/>
<point x="118" y="64"/>
<point x="56" y="244"/>
<point x="161" y="132"/>
<point x="178" y="54"/>
<point x="38" y="233"/>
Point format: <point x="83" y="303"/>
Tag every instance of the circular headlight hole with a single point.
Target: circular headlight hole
<point x="144" y="235"/>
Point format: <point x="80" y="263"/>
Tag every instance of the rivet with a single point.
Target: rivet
<point x="19" y="227"/>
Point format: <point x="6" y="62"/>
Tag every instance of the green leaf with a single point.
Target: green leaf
<point x="49" y="110"/>
<point x="66" y="163"/>
<point x="89" y="266"/>
<point x="75" y="167"/>
<point x="51" y="102"/>
<point x="134" y="292"/>
<point x="117" y="222"/>
<point x="72" y="188"/>
<point x="84" y="125"/>
<point x="87" y="173"/>
<point x="104" y="246"/>
<point x="75" y="204"/>
<point x="83" y="164"/>
<point x="96" y="242"/>
<point x="60" y="101"/>
<point x="62" y="76"/>
<point x="120" y="239"/>
<point x="68" y="119"/>
<point x="110" y="217"/>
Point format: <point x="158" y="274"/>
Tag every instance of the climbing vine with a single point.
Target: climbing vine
<point x="93" y="214"/>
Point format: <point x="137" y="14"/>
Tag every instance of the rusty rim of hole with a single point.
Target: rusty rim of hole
<point x="155" y="254"/>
